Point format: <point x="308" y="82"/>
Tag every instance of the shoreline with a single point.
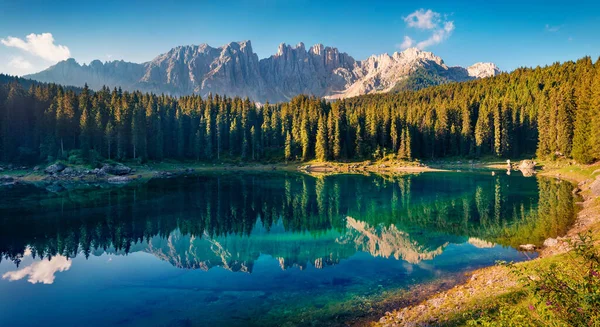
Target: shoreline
<point x="82" y="174"/>
<point x="424" y="304"/>
<point x="482" y="286"/>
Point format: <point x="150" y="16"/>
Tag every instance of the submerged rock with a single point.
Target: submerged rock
<point x="527" y="247"/>
<point x="7" y="180"/>
<point x="163" y="174"/>
<point x="55" y="187"/>
<point x="119" y="180"/>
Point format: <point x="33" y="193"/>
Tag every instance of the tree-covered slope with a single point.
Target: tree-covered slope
<point x="548" y="111"/>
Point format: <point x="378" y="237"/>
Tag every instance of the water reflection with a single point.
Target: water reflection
<point x="39" y="271"/>
<point x="229" y="220"/>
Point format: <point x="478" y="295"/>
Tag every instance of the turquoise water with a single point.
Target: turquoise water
<point x="257" y="249"/>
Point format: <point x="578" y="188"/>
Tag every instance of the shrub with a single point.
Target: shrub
<point x="567" y="292"/>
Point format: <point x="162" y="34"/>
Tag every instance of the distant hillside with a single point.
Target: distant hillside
<point x="26" y="83"/>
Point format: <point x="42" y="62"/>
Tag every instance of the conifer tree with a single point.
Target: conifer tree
<point x="595" y="113"/>
<point x="304" y="135"/>
<point x="582" y="150"/>
<point x="482" y="131"/>
<point x="288" y="146"/>
<point x="139" y="133"/>
<point x="255" y="142"/>
<point x="85" y="134"/>
<point x="337" y="141"/>
<point x="408" y="145"/>
<point x="65" y="115"/>
<point x="109" y="137"/>
<point x="394" y="135"/>
<point x="359" y="141"/>
<point x="321" y="142"/>
<point x="564" y="126"/>
<point x="402" y="148"/>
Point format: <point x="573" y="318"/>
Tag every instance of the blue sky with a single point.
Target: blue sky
<point x="508" y="33"/>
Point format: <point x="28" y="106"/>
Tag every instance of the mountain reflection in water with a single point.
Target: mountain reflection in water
<point x="228" y="220"/>
<point x="258" y="249"/>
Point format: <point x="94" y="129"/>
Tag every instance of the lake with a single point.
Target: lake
<point x="258" y="249"/>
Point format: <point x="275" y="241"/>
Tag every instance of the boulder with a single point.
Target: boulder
<point x="119" y="180"/>
<point x="527" y="164"/>
<point x="68" y="171"/>
<point x="55" y="168"/>
<point x="550" y="242"/>
<point x="37" y="168"/>
<point x="527" y="167"/>
<point x="163" y="174"/>
<point x="118" y="169"/>
<point x="6" y="179"/>
<point x="595" y="187"/>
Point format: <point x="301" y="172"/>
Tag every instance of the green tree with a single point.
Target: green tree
<point x="288" y="146"/>
<point x="321" y="142"/>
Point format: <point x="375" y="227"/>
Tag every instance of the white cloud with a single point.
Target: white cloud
<point x="20" y="64"/>
<point x="438" y="36"/>
<point x="40" y="271"/>
<point x="407" y="43"/>
<point x="427" y="20"/>
<point x="423" y="19"/>
<point x="40" y="45"/>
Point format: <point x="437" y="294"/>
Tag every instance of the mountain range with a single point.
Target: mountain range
<point x="235" y="70"/>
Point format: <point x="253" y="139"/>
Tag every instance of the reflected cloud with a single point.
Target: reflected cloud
<point x="40" y="271"/>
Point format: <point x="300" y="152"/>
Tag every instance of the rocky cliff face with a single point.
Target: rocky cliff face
<point x="235" y="70"/>
<point x="231" y="69"/>
<point x="294" y="70"/>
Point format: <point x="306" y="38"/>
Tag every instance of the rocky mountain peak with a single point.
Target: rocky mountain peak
<point x="234" y="69"/>
<point x="483" y="69"/>
<point x="414" y="54"/>
<point x="317" y="49"/>
<point x="96" y="63"/>
<point x="243" y="46"/>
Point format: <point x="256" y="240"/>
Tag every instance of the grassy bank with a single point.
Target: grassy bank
<point x="560" y="288"/>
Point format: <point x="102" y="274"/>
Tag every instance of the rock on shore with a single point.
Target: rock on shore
<point x="55" y="168"/>
<point x="595" y="187"/>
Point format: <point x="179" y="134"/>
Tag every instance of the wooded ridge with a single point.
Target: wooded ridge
<point x="549" y="111"/>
